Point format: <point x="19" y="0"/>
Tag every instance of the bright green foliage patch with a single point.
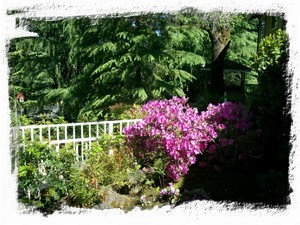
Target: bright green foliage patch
<point x="43" y="174"/>
<point x="108" y="177"/>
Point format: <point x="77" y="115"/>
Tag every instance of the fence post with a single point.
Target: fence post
<point x="121" y="126"/>
<point x="57" y="133"/>
<point x="49" y="134"/>
<point x="31" y="134"/>
<point x="81" y="131"/>
<point x="66" y="132"/>
<point x="110" y="127"/>
<point x="40" y="133"/>
<point x="90" y="135"/>
<point x="57" y="138"/>
<point x="97" y="131"/>
<point x="74" y="137"/>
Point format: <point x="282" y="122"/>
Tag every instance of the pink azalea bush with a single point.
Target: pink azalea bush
<point x="178" y="136"/>
<point x="232" y="123"/>
<point x="173" y="130"/>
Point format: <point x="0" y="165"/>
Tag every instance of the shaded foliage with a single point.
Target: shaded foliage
<point x="271" y="106"/>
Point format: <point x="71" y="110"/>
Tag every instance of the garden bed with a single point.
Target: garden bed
<point x="171" y="157"/>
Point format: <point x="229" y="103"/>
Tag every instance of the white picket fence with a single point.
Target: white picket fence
<point x="80" y="135"/>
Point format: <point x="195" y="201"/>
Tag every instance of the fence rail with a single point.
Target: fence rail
<point x="79" y="134"/>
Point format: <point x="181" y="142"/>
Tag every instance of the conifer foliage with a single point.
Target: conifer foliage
<point x="85" y="65"/>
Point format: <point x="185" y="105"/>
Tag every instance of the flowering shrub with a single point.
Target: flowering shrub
<point x="172" y="136"/>
<point x="170" y="130"/>
<point x="176" y="133"/>
<point x="227" y="115"/>
<point x="232" y="124"/>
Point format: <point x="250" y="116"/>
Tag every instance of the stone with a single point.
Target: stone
<point x="111" y="199"/>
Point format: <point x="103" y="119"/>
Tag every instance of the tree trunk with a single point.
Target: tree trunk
<point x="220" y="43"/>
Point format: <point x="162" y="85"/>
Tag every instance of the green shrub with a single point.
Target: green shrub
<point x="270" y="96"/>
<point x="270" y="105"/>
<point x="271" y="53"/>
<point x="108" y="174"/>
<point x="82" y="193"/>
<point x="107" y="164"/>
<point x="24" y="120"/>
<point x="44" y="174"/>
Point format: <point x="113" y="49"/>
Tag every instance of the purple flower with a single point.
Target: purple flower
<point x="177" y="132"/>
<point x="164" y="192"/>
<point x="212" y="149"/>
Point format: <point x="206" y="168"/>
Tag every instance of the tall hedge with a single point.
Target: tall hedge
<point x="271" y="107"/>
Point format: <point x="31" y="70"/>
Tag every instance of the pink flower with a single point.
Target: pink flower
<point x="212" y="149"/>
<point x="220" y="126"/>
<point x="177" y="132"/>
<point x="223" y="142"/>
<point x="164" y="192"/>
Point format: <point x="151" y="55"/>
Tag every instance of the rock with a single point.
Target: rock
<point x="111" y="199"/>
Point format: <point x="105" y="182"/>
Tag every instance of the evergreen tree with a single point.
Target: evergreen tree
<point x="133" y="60"/>
<point x="86" y="65"/>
